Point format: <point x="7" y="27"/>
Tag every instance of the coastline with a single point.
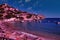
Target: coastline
<point x="44" y="35"/>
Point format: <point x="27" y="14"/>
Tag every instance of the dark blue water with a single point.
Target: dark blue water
<point x="40" y="27"/>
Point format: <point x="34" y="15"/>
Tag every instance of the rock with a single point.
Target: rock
<point x="10" y="12"/>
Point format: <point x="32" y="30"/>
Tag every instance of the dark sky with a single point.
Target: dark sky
<point x="49" y="8"/>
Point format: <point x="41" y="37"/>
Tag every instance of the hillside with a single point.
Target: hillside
<point x="8" y="12"/>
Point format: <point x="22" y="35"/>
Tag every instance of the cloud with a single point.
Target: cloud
<point x="27" y="0"/>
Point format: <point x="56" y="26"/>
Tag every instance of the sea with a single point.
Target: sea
<point x="48" y="25"/>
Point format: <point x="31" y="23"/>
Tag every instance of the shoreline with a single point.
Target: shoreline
<point x="43" y="35"/>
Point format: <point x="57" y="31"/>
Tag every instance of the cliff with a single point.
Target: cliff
<point x="8" y="12"/>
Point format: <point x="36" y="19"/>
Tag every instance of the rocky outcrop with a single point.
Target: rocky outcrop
<point x="7" y="12"/>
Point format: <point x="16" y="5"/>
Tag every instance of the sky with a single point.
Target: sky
<point x="48" y="8"/>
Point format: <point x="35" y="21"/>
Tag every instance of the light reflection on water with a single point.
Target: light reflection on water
<point x="39" y="27"/>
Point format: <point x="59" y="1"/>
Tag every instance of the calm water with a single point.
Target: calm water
<point x="40" y="27"/>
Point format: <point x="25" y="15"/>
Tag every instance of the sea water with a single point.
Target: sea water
<point x="51" y="28"/>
